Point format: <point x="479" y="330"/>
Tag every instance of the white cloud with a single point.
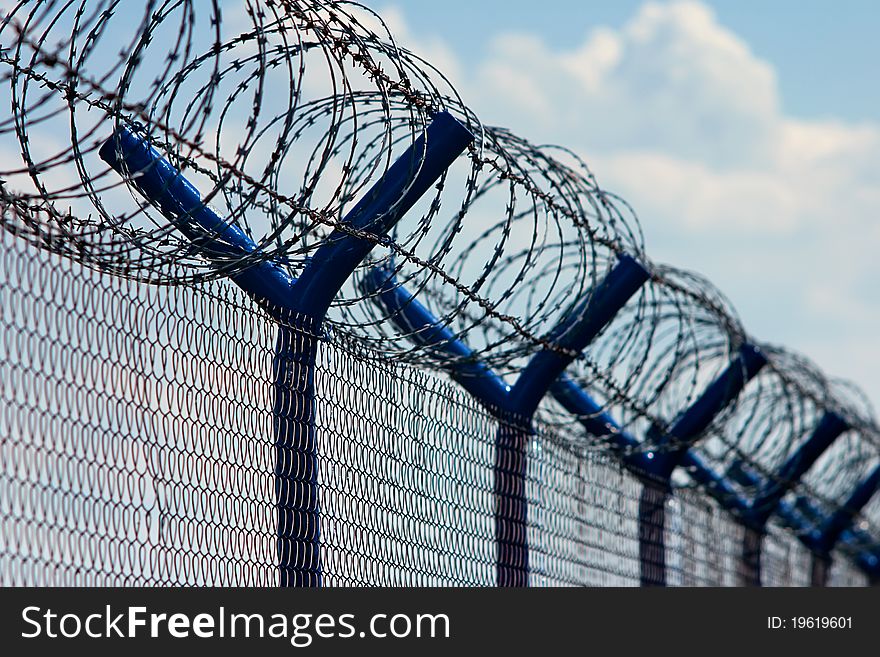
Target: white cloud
<point x="672" y="79"/>
<point x="700" y="198"/>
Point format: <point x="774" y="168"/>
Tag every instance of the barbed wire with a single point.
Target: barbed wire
<point x="283" y="114"/>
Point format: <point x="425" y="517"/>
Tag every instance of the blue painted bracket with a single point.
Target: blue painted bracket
<point x="131" y="155"/>
<point x="767" y="500"/>
<point x="421" y="327"/>
<point x="830" y="532"/>
<point x="299" y="305"/>
<point x="717" y="487"/>
<point x="575" y="332"/>
<point x="514" y="407"/>
<point x="796" y="517"/>
<point x="689" y="427"/>
<point x="674" y="446"/>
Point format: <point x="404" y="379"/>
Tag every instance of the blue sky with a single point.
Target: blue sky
<point x="746" y="134"/>
<point x="825" y="52"/>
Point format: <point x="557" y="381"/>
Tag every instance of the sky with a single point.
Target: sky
<point x="745" y="134"/>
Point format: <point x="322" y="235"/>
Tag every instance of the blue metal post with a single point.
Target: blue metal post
<point x="573" y="334"/>
<point x="823" y="539"/>
<point x="296" y="453"/>
<point x="514" y="407"/>
<point x="830" y="532"/>
<point x="673" y="446"/>
<point x="767" y="501"/>
<point x="299" y="305"/>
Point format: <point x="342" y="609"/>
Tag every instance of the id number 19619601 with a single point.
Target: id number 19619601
<point x="809" y="623"/>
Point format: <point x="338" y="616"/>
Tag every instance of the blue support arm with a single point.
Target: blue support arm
<point x="798" y="516"/>
<point x="830" y="532"/>
<point x="514" y="407"/>
<point x="715" y="485"/>
<point x="808" y="509"/>
<point x="599" y="423"/>
<point x="575" y="332"/>
<point x="217" y="240"/>
<point x="723" y="390"/>
<point x="830" y="427"/>
<point x="462" y="364"/>
<point x="693" y="422"/>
